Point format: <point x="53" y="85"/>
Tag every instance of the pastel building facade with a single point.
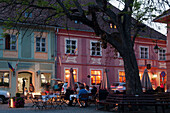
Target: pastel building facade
<point x="31" y="56"/>
<point x="80" y="49"/>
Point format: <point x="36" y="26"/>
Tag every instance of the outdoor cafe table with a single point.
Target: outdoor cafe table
<point x="73" y="95"/>
<point x="49" y="98"/>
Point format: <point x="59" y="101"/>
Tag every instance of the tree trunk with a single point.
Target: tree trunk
<point x="133" y="84"/>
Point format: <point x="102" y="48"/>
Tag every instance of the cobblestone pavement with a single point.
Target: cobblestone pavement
<point x="91" y="109"/>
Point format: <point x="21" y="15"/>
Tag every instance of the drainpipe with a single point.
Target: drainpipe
<point x="55" y="52"/>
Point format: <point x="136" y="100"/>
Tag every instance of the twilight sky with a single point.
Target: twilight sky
<point x="155" y="25"/>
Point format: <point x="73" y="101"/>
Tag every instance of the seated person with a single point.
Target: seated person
<point x="81" y="91"/>
<point x="94" y="90"/>
<point x="67" y="96"/>
<point x="87" y="89"/>
<point x="68" y="93"/>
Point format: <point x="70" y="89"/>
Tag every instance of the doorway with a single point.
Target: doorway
<point x="24" y="79"/>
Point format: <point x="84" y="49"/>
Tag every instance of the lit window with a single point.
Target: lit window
<point x="144" y="52"/>
<point x="4" y="78"/>
<point x="10" y="42"/>
<point x="28" y="15"/>
<point x="40" y="44"/>
<point x="71" y="46"/>
<point x="45" y="78"/>
<point x="77" y="22"/>
<point x="67" y="74"/>
<point x="162" y="53"/>
<point x="96" y="76"/>
<point x="122" y="76"/>
<point x="95" y="48"/>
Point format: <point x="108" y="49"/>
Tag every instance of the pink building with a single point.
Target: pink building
<point x="165" y="18"/>
<point x="81" y="50"/>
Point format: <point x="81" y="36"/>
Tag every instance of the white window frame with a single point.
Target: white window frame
<point x="69" y="69"/>
<point x="40" y="46"/>
<point x="91" y="48"/>
<point x="75" y="53"/>
<point x="162" y="54"/>
<point x="140" y="51"/>
<point x="91" y="75"/>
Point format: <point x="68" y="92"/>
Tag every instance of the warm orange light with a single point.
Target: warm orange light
<point x="115" y="26"/>
<point x="74" y="72"/>
<point x="67" y="76"/>
<point x="67" y="71"/>
<point x="111" y="25"/>
<point x="12" y="103"/>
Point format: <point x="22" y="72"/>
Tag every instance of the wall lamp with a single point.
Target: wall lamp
<point x="156" y="48"/>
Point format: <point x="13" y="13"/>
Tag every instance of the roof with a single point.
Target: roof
<point x="63" y="21"/>
<point x="164" y="17"/>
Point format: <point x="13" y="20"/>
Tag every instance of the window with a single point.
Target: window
<point x="27" y="14"/>
<point x="10" y="42"/>
<point x="40" y="44"/>
<point x="95" y="48"/>
<point x="4" y="79"/>
<point x="77" y="22"/>
<point x="67" y="74"/>
<point x="162" y="53"/>
<point x="144" y="53"/>
<point x="122" y="76"/>
<point x="45" y="78"/>
<point x="71" y="46"/>
<point x="96" y="76"/>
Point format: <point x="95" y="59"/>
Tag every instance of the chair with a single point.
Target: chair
<point x="84" y="98"/>
<point x="92" y="99"/>
<point x="36" y="101"/>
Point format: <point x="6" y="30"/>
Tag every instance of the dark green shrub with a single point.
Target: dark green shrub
<point x="17" y="94"/>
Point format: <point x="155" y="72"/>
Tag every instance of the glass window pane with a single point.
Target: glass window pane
<point x="67" y="41"/>
<point x="43" y="49"/>
<point x="43" y="39"/>
<point x="37" y="49"/>
<point x="43" y="44"/>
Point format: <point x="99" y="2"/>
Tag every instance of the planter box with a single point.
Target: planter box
<point x="16" y="102"/>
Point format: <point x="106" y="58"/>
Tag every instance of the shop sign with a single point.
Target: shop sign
<point x="163" y="73"/>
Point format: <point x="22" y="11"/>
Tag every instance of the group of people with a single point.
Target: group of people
<point x="31" y="89"/>
<point x="84" y="89"/>
<point x="48" y="89"/>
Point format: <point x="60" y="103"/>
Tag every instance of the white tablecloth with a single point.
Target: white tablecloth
<point x="74" y="95"/>
<point x="47" y="97"/>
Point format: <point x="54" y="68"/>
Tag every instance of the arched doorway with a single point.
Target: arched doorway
<point x="24" y="79"/>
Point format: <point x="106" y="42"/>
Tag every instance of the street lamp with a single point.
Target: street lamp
<point x="156" y="48"/>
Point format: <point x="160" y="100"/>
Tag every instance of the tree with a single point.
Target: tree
<point x="98" y="15"/>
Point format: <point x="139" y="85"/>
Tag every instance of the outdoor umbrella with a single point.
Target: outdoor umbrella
<point x="71" y="83"/>
<point x="146" y="83"/>
<point x="105" y="82"/>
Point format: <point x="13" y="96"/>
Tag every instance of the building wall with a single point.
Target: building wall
<point x="84" y="62"/>
<point x="26" y="60"/>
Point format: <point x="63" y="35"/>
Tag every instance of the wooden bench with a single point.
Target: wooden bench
<point x="121" y="100"/>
